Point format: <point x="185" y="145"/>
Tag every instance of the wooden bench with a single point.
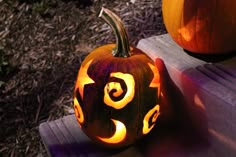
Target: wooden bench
<point x="199" y="119"/>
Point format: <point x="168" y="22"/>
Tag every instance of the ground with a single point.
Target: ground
<point x="42" y="43"/>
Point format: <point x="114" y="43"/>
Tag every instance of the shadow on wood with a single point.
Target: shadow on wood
<point x="209" y="92"/>
<point x="181" y="129"/>
<point x="211" y="57"/>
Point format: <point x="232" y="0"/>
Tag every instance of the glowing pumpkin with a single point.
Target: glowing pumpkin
<point x="202" y="26"/>
<point x="117" y="91"/>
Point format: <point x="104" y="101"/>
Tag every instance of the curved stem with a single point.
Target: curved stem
<point x="122" y="48"/>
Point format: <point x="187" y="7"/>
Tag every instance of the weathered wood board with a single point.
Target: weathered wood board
<point x="63" y="137"/>
<point x="209" y="89"/>
<point x="200" y="105"/>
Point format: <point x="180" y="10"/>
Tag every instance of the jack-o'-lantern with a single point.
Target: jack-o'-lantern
<point x="202" y="26"/>
<point x="116" y="96"/>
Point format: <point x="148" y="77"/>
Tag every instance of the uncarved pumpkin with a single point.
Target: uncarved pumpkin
<point x="202" y="26"/>
<point x="116" y="96"/>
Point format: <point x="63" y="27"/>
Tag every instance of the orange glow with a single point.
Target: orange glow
<point x="186" y="34"/>
<point x="156" y="79"/>
<point x="197" y="100"/>
<point x="78" y="111"/>
<point x="83" y="78"/>
<point x="129" y="81"/>
<point x="119" y="134"/>
<point x="195" y="25"/>
<point x="146" y="127"/>
<point x="115" y="85"/>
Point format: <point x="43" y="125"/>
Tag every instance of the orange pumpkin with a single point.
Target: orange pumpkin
<point x="202" y="26"/>
<point x="116" y="97"/>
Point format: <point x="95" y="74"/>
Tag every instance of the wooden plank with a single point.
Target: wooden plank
<point x="63" y="137"/>
<point x="54" y="147"/>
<point x="206" y="86"/>
<point x="62" y="141"/>
<point x="195" y="69"/>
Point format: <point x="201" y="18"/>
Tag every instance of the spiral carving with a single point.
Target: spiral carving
<point x="115" y="88"/>
<point x="150" y="116"/>
<point x="78" y="111"/>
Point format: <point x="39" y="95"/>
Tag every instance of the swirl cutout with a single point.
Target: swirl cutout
<point x="78" y="111"/>
<point x="111" y="86"/>
<point x="153" y="113"/>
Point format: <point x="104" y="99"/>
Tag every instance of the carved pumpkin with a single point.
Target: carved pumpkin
<point x="117" y="91"/>
<point x="206" y="27"/>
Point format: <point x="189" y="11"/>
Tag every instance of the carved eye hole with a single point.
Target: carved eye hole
<point x="150" y="119"/>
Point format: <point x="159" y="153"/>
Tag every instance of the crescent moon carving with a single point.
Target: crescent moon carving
<point x="118" y="136"/>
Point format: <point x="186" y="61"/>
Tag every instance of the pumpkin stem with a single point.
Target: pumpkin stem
<point x="122" y="48"/>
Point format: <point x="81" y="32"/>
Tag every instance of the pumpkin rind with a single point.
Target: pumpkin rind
<point x="199" y="26"/>
<point x="116" y="96"/>
<point x="97" y="115"/>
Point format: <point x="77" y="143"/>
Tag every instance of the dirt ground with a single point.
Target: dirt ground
<point x="42" y="43"/>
